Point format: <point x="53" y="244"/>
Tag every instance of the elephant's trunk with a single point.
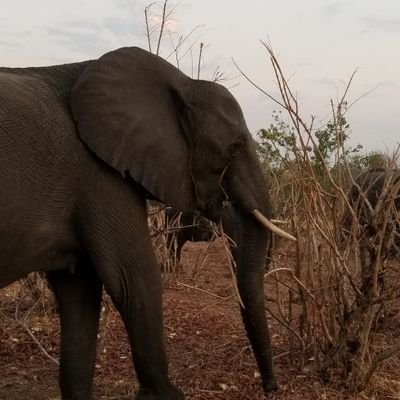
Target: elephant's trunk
<point x="251" y="240"/>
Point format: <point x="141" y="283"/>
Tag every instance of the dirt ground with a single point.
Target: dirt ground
<point x="210" y="358"/>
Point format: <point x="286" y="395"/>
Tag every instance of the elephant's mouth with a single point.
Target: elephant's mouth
<point x="212" y="209"/>
<point x="212" y="206"/>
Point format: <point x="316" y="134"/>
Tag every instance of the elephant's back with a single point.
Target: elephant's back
<point x="38" y="136"/>
<point x="42" y="159"/>
<point x="35" y="114"/>
<point x="373" y="185"/>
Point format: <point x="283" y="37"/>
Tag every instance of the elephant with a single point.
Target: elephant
<point x="370" y="194"/>
<point x="182" y="227"/>
<point x="82" y="147"/>
<point x="375" y="200"/>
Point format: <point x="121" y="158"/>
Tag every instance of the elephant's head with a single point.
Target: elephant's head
<point x="186" y="142"/>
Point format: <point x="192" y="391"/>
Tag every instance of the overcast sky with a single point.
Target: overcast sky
<point x="319" y="43"/>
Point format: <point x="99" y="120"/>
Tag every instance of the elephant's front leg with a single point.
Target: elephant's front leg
<point x="79" y="298"/>
<point x="120" y="246"/>
<point x="135" y="288"/>
<point x="140" y="305"/>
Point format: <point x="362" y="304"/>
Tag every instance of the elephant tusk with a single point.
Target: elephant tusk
<point x="279" y="221"/>
<point x="271" y="227"/>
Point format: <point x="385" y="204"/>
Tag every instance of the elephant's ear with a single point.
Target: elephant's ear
<point x="129" y="106"/>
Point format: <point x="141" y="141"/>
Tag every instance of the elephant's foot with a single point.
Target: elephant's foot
<point x="169" y="393"/>
<point x="270" y="386"/>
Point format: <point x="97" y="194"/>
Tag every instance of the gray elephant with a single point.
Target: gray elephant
<point x="375" y="200"/>
<point x="82" y="146"/>
<point x="369" y="196"/>
<point x="182" y="227"/>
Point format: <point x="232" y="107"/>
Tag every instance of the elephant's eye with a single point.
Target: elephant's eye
<point x="235" y="149"/>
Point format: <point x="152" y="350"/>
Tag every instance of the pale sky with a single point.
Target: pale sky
<point x="319" y="43"/>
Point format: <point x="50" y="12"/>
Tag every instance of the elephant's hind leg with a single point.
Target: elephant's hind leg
<point x="79" y="298"/>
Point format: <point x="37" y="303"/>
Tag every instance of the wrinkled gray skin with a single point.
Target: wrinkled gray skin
<point x="377" y="186"/>
<point x="370" y="197"/>
<point x="373" y="183"/>
<point x="186" y="227"/>
<point x="81" y="148"/>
